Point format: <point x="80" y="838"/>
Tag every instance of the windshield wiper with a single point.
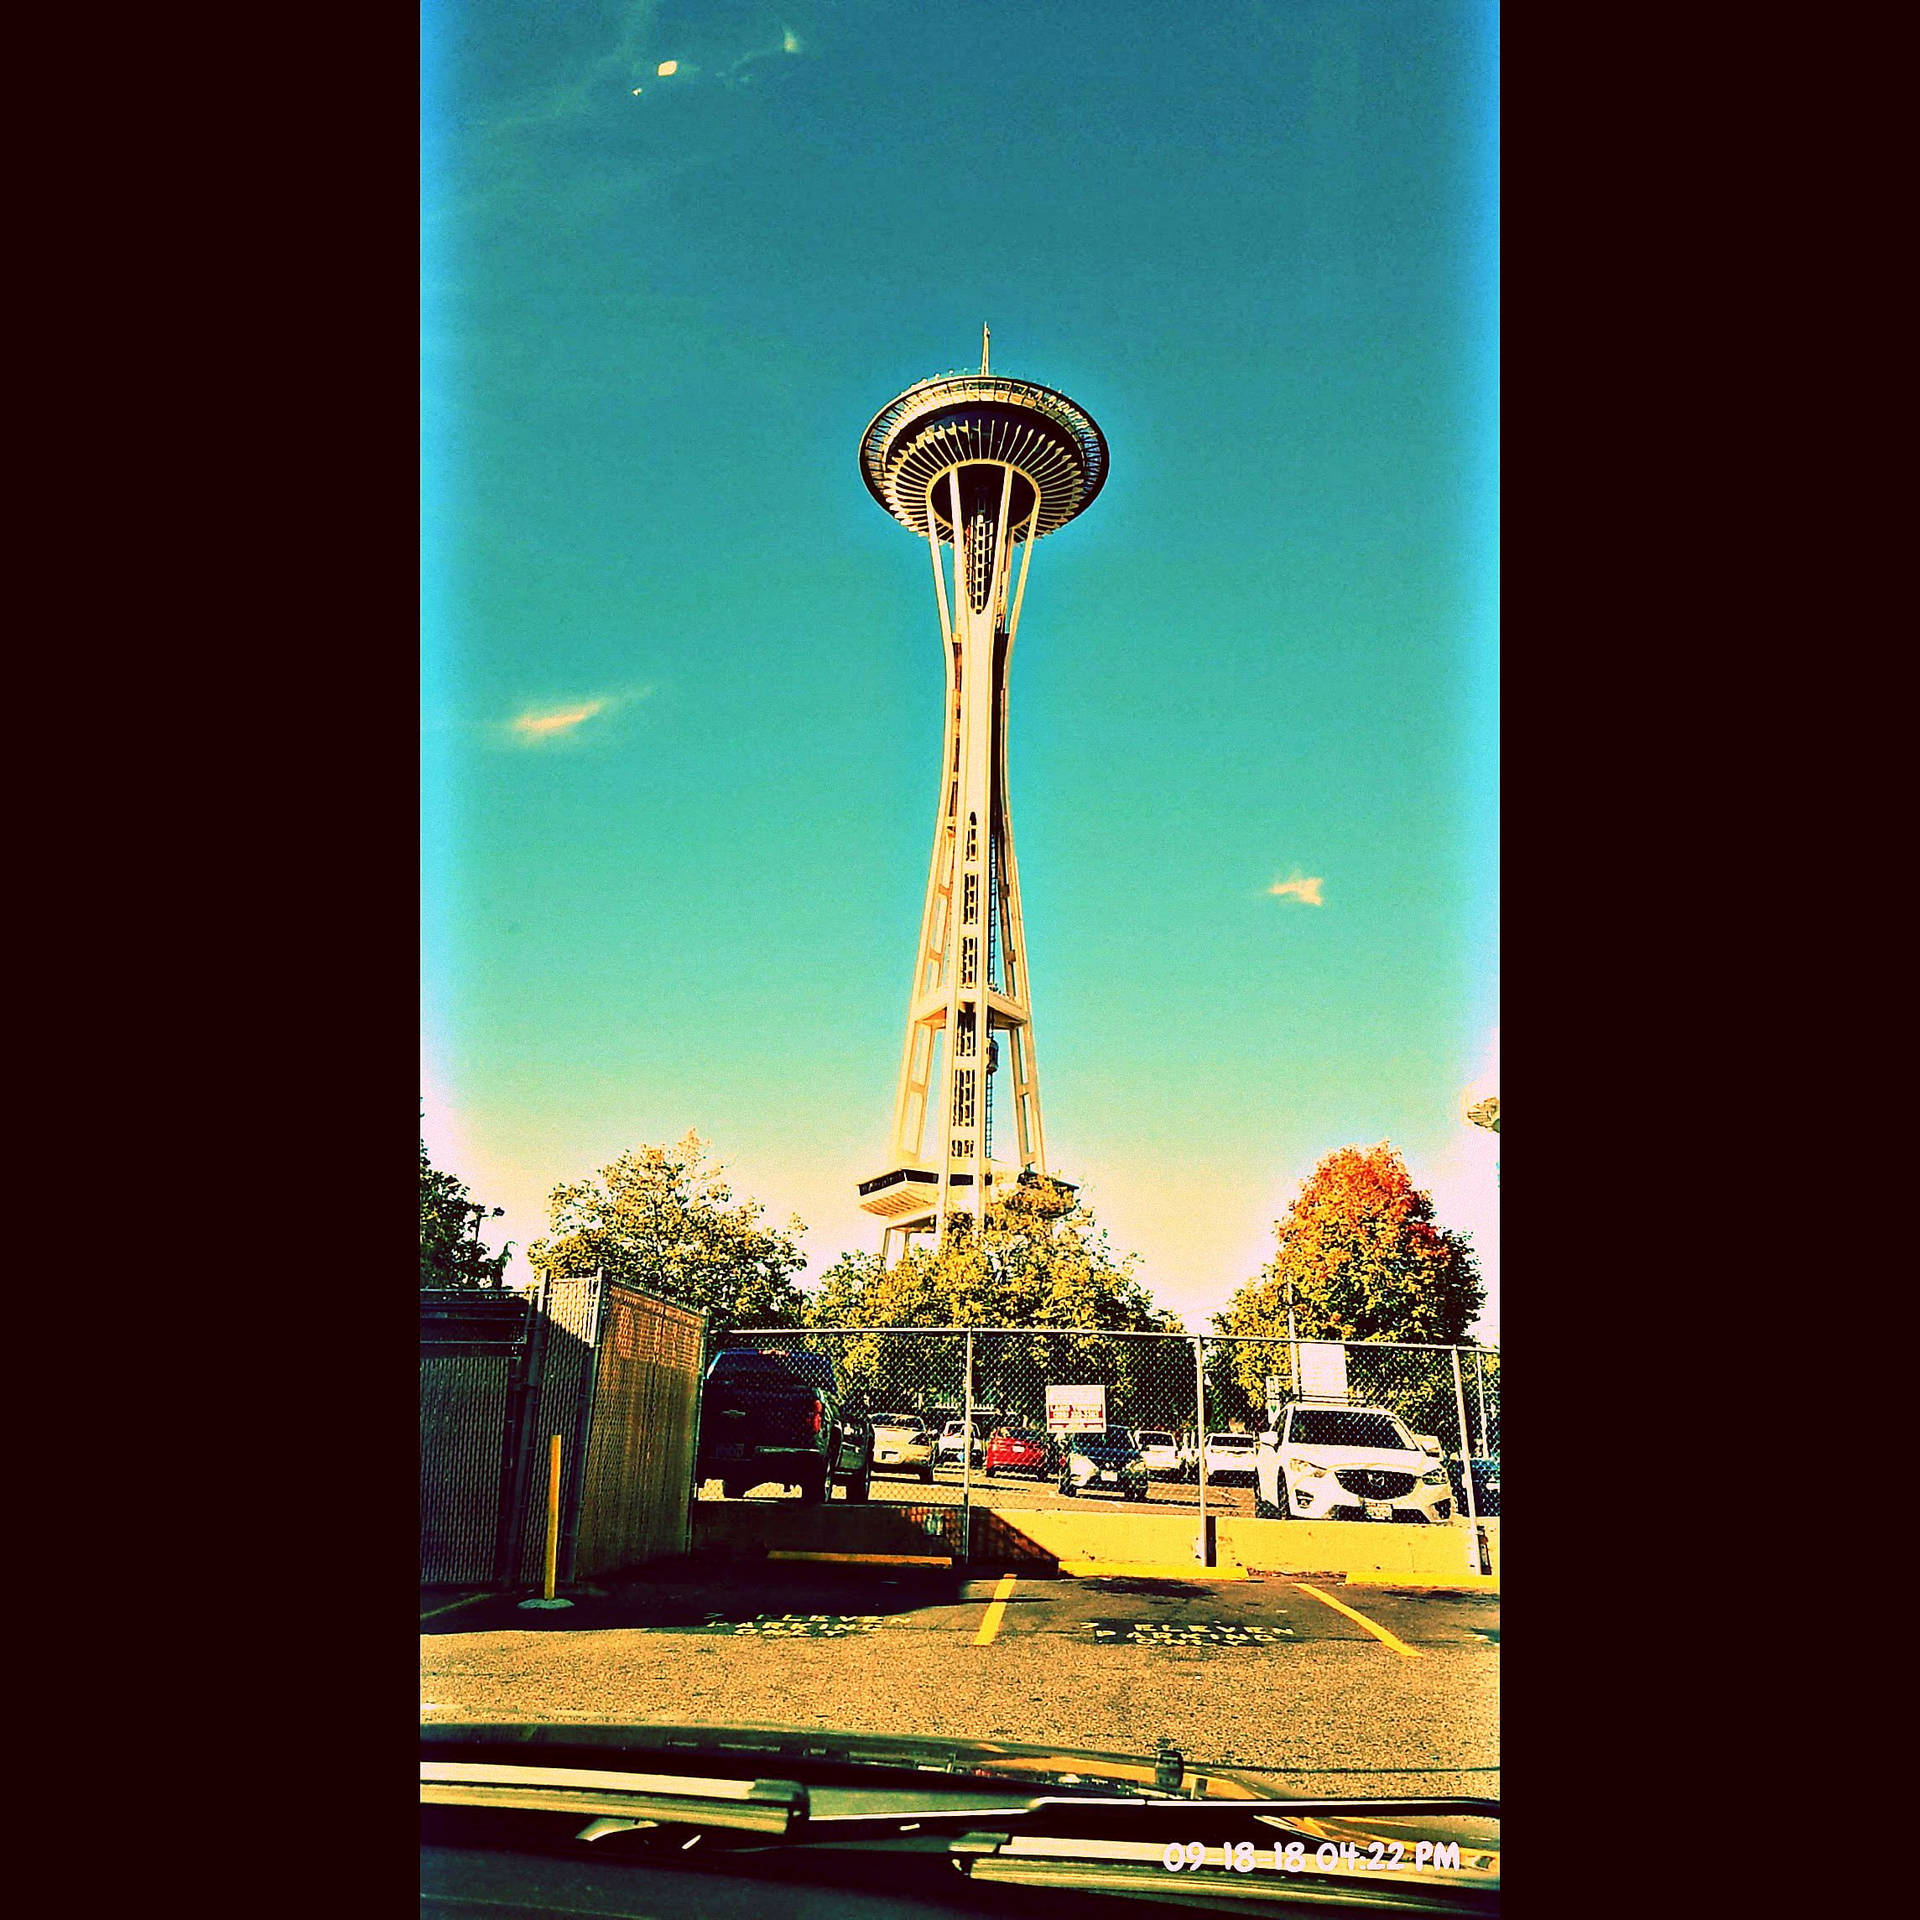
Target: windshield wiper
<point x="758" y="1806"/>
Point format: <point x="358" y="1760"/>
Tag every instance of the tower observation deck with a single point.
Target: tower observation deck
<point x="978" y="466"/>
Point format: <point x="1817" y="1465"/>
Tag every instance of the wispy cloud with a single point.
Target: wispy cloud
<point x="734" y="72"/>
<point x="543" y="726"/>
<point x="1297" y="886"/>
<point x="543" y="723"/>
<point x="574" y="94"/>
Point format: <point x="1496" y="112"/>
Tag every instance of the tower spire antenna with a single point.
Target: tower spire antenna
<point x="980" y="468"/>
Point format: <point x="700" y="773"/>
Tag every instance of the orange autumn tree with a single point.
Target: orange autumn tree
<point x="1366" y="1259"/>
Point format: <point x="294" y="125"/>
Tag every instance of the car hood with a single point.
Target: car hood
<point x="1393" y="1459"/>
<point x="1045" y="1768"/>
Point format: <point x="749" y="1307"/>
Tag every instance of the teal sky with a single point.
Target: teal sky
<point x="681" y="677"/>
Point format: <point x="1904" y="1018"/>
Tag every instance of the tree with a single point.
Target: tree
<point x="451" y="1251"/>
<point x="663" y="1219"/>
<point x="1361" y="1257"/>
<point x="1042" y="1262"/>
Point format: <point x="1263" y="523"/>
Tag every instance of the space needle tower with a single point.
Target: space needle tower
<point x="979" y="465"/>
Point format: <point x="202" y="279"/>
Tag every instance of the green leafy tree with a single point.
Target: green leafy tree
<point x="451" y="1251"/>
<point x="665" y="1220"/>
<point x="1361" y="1257"/>
<point x="1043" y="1261"/>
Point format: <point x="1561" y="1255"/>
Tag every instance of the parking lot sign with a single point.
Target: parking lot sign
<point x="1076" y="1409"/>
<point x="1323" y="1370"/>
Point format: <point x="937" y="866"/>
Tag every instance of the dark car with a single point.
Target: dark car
<point x="1107" y="1462"/>
<point x="783" y="1415"/>
<point x="1486" y="1485"/>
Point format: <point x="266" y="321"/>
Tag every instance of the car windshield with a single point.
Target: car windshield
<point x="812" y="1182"/>
<point x="1337" y="1427"/>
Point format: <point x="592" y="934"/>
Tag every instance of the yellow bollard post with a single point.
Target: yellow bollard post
<point x="553" y="1519"/>
<point x="552" y="1568"/>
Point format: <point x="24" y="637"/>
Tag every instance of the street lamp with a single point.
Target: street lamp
<point x="1486" y="1113"/>
<point x="479" y="1251"/>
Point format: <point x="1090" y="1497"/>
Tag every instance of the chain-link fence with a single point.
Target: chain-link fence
<point x="613" y="1372"/>
<point x="478" y="1358"/>
<point x="640" y="1433"/>
<point x="1033" y="1417"/>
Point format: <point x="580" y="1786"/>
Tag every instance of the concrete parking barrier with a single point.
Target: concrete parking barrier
<point x="1083" y="1542"/>
<point x="1356" y="1549"/>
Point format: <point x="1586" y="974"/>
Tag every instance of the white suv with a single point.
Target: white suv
<point x="1350" y="1463"/>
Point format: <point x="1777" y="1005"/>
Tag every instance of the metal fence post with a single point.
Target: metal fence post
<point x="1466" y="1466"/>
<point x="1204" y="1543"/>
<point x="693" y="1464"/>
<point x="523" y="1407"/>
<point x="966" y="1459"/>
<point x="1480" y="1388"/>
<point x="583" y="1422"/>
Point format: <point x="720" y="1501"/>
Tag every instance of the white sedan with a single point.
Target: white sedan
<point x="902" y="1444"/>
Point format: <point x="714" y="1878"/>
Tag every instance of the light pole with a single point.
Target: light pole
<point x="479" y="1214"/>
<point x="1486" y="1113"/>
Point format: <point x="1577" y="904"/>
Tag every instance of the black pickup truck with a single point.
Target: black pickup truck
<point x="782" y="1415"/>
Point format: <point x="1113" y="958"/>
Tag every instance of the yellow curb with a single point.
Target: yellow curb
<point x="1461" y="1582"/>
<point x="1149" y="1570"/>
<point x="865" y="1559"/>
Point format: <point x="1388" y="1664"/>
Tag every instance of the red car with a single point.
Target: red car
<point x="1012" y="1451"/>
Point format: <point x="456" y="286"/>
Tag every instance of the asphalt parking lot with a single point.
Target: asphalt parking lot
<point x="1331" y="1688"/>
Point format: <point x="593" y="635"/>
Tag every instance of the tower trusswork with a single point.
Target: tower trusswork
<point x="981" y="465"/>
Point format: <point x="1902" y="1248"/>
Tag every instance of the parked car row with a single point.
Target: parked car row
<point x="785" y="1416"/>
